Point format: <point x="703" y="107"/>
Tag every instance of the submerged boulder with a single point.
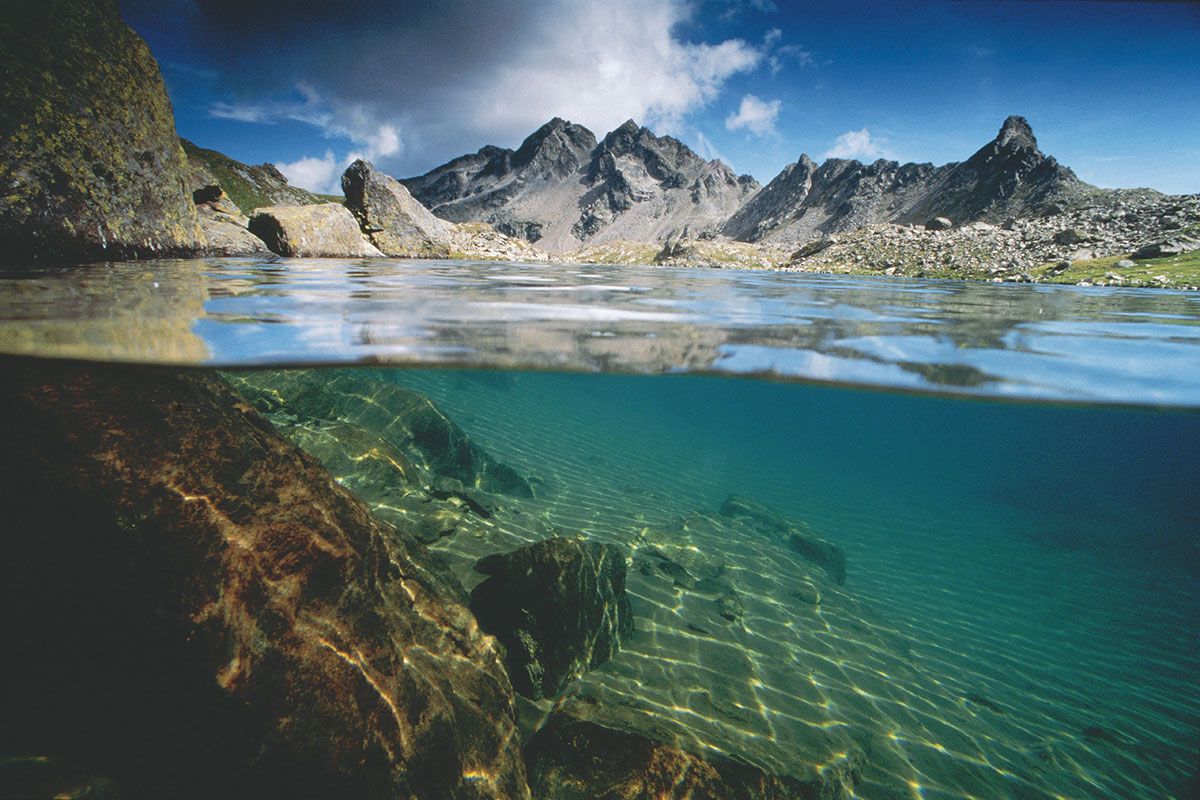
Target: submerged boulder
<point x="90" y="164"/>
<point x="797" y="535"/>
<point x="559" y="607"/>
<point x="327" y="230"/>
<point x="403" y="419"/>
<point x="204" y="612"/>
<point x="575" y="758"/>
<point x="392" y="219"/>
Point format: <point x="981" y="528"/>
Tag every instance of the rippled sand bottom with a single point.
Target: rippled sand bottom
<point x="984" y="645"/>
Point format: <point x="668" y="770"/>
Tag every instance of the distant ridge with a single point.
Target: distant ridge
<point x="562" y="188"/>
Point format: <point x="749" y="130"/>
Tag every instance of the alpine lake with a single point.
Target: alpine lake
<point x="1008" y="472"/>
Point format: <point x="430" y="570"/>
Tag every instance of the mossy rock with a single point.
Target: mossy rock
<point x="90" y="164"/>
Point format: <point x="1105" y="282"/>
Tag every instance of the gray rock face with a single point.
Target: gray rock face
<point x="558" y="606"/>
<point x="1177" y="245"/>
<point x="561" y="188"/>
<point x="1009" y="177"/>
<point x="89" y="159"/>
<point x="389" y="216"/>
<point x="328" y="230"/>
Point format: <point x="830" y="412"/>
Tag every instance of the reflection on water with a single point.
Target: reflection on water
<point x="1051" y="342"/>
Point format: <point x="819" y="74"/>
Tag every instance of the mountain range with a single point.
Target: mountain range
<point x="562" y="188"/>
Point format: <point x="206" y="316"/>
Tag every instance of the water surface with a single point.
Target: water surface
<point x="1117" y="345"/>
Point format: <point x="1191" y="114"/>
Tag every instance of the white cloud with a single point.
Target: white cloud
<point x="757" y="116"/>
<point x="858" y="144"/>
<point x="628" y="66"/>
<point x="415" y="87"/>
<point x="322" y="175"/>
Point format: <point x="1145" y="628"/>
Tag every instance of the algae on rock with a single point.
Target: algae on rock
<point x="90" y="164"/>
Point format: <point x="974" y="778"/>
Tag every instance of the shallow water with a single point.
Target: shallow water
<point x="1021" y="611"/>
<point x="1028" y="341"/>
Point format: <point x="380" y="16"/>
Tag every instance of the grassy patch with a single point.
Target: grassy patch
<point x="1178" y="271"/>
<point x="247" y="194"/>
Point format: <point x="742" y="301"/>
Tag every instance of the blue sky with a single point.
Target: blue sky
<point x="1112" y="89"/>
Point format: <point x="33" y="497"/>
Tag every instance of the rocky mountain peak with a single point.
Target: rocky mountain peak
<point x="556" y="148"/>
<point x="1016" y="134"/>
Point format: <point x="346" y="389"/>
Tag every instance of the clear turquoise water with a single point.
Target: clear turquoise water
<point x="1011" y="471"/>
<point x="1043" y="557"/>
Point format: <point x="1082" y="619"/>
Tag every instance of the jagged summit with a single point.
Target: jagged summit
<point x="1016" y="133"/>
<point x="562" y="188"/>
<point x="1007" y="177"/>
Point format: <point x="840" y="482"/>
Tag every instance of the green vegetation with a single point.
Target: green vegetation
<point x="1172" y="271"/>
<point x="252" y="187"/>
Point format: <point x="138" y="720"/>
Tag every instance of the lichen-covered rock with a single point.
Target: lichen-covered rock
<point x="204" y="612"/>
<point x="390" y="217"/>
<point x="327" y="230"/>
<point x="560" y="608"/>
<point x="224" y="238"/>
<point x="574" y="758"/>
<point x="90" y="165"/>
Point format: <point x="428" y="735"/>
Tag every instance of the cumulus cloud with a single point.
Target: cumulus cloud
<point x="321" y="175"/>
<point x="755" y="115"/>
<point x="858" y="144"/>
<point x="417" y="83"/>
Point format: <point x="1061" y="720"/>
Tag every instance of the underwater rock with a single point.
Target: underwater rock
<point x="390" y="217"/>
<point x="807" y="593"/>
<point x="798" y="536"/>
<point x="573" y="758"/>
<point x="401" y="419"/>
<point x="558" y="606"/>
<point x="44" y="777"/>
<point x="89" y="159"/>
<point x="730" y="606"/>
<point x="204" y="612"/>
<point x="327" y="230"/>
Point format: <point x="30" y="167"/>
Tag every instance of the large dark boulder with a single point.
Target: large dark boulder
<point x="90" y="164"/>
<point x="196" y="609"/>
<point x="558" y="606"/>
<point x="389" y="216"/>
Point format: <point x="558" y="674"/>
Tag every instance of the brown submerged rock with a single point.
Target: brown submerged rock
<point x="560" y="608"/>
<point x="90" y="164"/>
<point x="201" y="611"/>
<point x="574" y="758"/>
